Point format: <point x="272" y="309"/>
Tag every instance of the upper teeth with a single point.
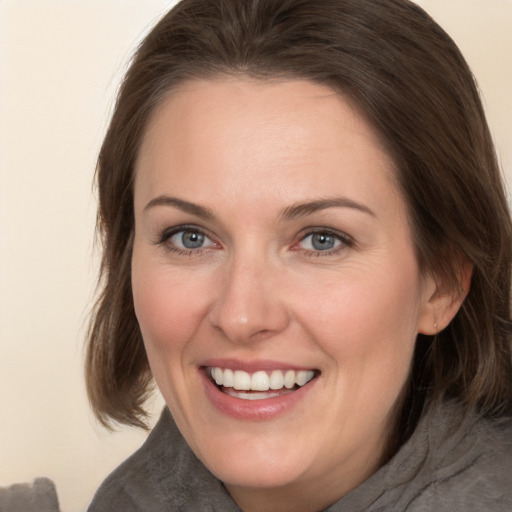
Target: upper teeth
<point x="261" y="380"/>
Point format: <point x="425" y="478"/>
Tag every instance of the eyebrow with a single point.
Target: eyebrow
<point x="294" y="211"/>
<point x="303" y="209"/>
<point x="180" y="204"/>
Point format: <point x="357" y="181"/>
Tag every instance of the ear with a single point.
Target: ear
<point x="442" y="300"/>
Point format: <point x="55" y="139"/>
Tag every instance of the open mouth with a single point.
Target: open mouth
<point x="259" y="385"/>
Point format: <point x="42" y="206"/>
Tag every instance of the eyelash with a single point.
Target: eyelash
<point x="344" y="240"/>
<point x="166" y="235"/>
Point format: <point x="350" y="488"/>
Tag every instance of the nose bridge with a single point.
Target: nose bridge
<point x="249" y="304"/>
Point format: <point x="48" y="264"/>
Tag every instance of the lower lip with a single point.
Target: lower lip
<point x="253" y="410"/>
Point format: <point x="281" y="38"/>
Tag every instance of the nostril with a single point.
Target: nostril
<point x="248" y="308"/>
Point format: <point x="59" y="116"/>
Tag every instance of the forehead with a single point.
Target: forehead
<point x="294" y="137"/>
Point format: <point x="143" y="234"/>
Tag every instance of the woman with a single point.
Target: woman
<point x="307" y="246"/>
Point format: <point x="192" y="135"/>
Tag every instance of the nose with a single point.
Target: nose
<point x="250" y="305"/>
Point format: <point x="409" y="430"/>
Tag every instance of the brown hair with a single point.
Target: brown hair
<point x="409" y="78"/>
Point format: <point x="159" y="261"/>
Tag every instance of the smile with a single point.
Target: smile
<point x="259" y="385"/>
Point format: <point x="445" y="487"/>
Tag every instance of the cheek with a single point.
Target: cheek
<point x="367" y="323"/>
<point x="167" y="306"/>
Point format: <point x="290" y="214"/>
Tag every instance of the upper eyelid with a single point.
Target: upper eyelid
<point x="185" y="227"/>
<point x="166" y="233"/>
<point x="330" y="231"/>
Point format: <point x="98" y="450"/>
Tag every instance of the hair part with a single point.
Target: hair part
<point x="409" y="78"/>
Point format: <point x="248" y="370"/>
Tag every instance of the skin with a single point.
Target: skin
<point x="258" y="290"/>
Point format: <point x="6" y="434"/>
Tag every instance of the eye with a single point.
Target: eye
<point x="323" y="242"/>
<point x="320" y="242"/>
<point x="185" y="240"/>
<point x="190" y="239"/>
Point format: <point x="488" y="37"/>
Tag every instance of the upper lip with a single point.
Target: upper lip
<point x="252" y="366"/>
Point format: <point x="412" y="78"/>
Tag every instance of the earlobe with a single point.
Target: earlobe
<point x="442" y="302"/>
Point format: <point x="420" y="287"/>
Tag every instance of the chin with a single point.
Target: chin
<point x="262" y="474"/>
<point x="254" y="461"/>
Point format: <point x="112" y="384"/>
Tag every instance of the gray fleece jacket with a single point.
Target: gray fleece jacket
<point x="451" y="463"/>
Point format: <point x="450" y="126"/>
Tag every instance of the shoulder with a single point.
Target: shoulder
<point x="164" y="474"/>
<point x="128" y="487"/>
<point x="467" y="465"/>
<point x="476" y="474"/>
<point x="454" y="462"/>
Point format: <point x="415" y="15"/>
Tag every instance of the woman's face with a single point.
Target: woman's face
<point x="272" y="249"/>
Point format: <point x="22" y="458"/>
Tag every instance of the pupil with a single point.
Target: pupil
<point x="192" y="240"/>
<point x="322" y="242"/>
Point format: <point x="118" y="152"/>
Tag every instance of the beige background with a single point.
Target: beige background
<point x="60" y="64"/>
